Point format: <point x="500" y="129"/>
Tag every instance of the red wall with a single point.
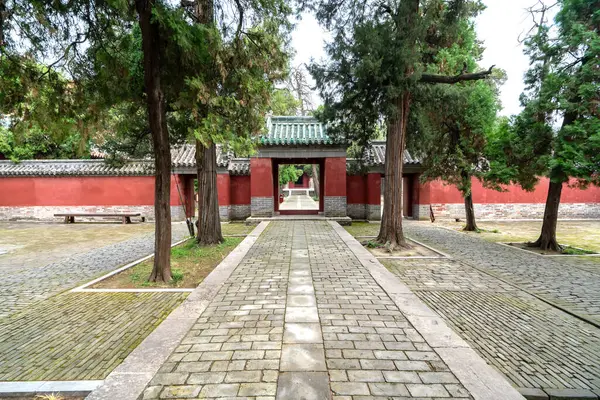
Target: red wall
<point x="223" y="192"/>
<point x="304" y="185"/>
<point x="440" y="193"/>
<point x="356" y="189"/>
<point x="261" y="177"/>
<point x="82" y="191"/>
<point x="374" y="188"/>
<point x="335" y="176"/>
<point x="240" y="190"/>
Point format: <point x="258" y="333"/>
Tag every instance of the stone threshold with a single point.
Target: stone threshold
<point x="481" y="380"/>
<point x="38" y="388"/>
<point x="128" y="380"/>
<point x="340" y="220"/>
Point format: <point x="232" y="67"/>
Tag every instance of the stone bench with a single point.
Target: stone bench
<point x="126" y="217"/>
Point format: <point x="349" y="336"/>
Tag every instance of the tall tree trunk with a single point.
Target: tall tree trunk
<point x="2" y="22"/>
<point x="547" y="239"/>
<point x="209" y="221"/>
<point x="161" y="270"/>
<point x="315" y="176"/>
<point x="391" y="233"/>
<point x="470" y="213"/>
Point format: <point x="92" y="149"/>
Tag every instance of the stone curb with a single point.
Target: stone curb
<point x="34" y="388"/>
<point x="480" y="379"/>
<point x="130" y="378"/>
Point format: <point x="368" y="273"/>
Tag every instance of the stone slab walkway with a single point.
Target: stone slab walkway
<point x="299" y="202"/>
<point x="309" y="314"/>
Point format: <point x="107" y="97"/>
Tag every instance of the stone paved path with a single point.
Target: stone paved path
<point x="570" y="283"/>
<point x="30" y="283"/>
<point x="299" y="202"/>
<point x="78" y="336"/>
<point x="535" y="345"/>
<point x="301" y="317"/>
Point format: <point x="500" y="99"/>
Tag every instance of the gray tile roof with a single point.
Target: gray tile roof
<point x="184" y="156"/>
<point x="74" y="168"/>
<point x="239" y="166"/>
<point x="181" y="157"/>
<point x="293" y="131"/>
<point x="376" y="155"/>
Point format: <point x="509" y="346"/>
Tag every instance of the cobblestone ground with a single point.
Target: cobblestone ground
<point x="535" y="345"/>
<point x="28" y="283"/>
<point x="569" y="283"/>
<point x="300" y="316"/>
<point x="78" y="336"/>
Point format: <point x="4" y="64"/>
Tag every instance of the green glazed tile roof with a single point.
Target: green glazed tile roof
<point x="294" y="131"/>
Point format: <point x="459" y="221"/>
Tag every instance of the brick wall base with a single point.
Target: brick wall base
<point x="224" y="212"/>
<point x="43" y="213"/>
<point x="261" y="206"/>
<point x="239" y="211"/>
<point x="335" y="206"/>
<point x="510" y="211"/>
<point x="373" y="212"/>
<point x="357" y="211"/>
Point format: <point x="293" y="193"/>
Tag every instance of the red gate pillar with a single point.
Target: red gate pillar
<point x="261" y="187"/>
<point x="335" y="187"/>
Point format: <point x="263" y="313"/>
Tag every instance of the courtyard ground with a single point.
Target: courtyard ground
<point x="49" y="333"/>
<point x="583" y="234"/>
<point x="534" y="318"/>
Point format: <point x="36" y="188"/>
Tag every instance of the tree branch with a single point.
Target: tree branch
<point x="430" y="78"/>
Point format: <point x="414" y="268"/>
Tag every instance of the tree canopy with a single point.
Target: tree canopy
<point x="381" y="56"/>
<point x="558" y="132"/>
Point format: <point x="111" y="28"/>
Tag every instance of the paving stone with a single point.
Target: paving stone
<point x="401" y="376"/>
<point x="350" y="388"/>
<point x="180" y="392"/>
<point x="206" y="377"/>
<point x="365" y="376"/>
<point x="388" y="389"/>
<point x="299" y="300"/>
<point x="301" y="314"/>
<point x="303" y="386"/>
<point x="302" y="333"/>
<point x="302" y="357"/>
<point x="220" y="390"/>
<point x="243" y="376"/>
<point x="427" y="390"/>
<point x="258" y="389"/>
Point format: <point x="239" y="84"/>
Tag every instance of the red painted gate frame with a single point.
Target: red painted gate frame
<point x="276" y="162"/>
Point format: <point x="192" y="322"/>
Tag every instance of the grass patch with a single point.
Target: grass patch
<point x="190" y="264"/>
<point x="363" y="229"/>
<point x="236" y="228"/>
<point x="576" y="251"/>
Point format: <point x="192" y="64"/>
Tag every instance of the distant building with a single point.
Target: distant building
<point x="37" y="189"/>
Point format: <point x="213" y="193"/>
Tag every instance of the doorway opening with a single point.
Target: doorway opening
<point x="298" y="186"/>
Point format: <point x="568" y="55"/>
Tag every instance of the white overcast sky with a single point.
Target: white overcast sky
<point x="499" y="27"/>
